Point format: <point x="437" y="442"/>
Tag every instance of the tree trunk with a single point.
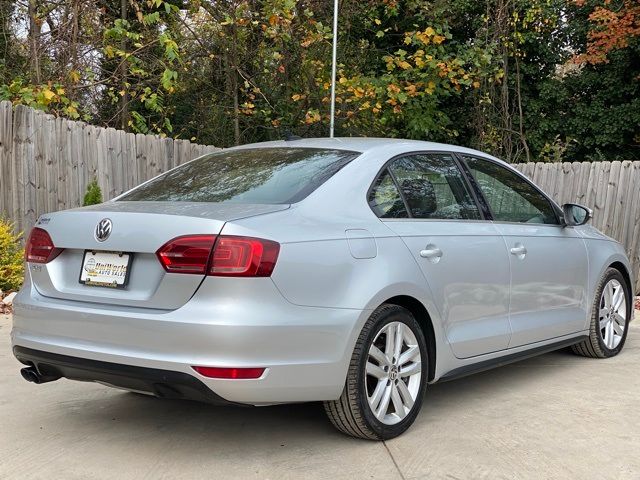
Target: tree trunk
<point x="6" y="11"/>
<point x="505" y="111"/>
<point x="124" y="99"/>
<point x="72" y="46"/>
<point x="34" y="43"/>
<point x="523" y="137"/>
<point x="233" y="71"/>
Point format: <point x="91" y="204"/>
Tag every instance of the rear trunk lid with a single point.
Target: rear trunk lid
<point x="138" y="229"/>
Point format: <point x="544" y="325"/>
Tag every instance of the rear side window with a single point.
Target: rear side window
<point x="260" y="175"/>
<point x="385" y="199"/>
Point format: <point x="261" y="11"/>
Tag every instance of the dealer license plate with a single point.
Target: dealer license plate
<point x="105" y="269"/>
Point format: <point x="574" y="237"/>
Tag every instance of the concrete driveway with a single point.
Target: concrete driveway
<point x="554" y="416"/>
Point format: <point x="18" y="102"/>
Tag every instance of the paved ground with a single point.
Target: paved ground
<point x="554" y="416"/>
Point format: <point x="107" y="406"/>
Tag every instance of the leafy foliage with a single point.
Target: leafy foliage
<point x="406" y="97"/>
<point x="50" y="97"/>
<point x="597" y="113"/>
<point x="526" y="80"/>
<point x="143" y="58"/>
<point x="11" y="258"/>
<point x="615" y="25"/>
<point x="93" y="195"/>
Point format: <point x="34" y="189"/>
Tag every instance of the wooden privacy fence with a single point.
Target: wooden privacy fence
<point x="610" y="189"/>
<point x="47" y="162"/>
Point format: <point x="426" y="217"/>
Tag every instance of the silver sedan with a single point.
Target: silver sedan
<point x="349" y="271"/>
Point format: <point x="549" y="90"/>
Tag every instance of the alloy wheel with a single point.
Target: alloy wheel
<point x="393" y="373"/>
<point x="613" y="313"/>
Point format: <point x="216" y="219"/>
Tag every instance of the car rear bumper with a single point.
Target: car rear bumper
<point x="228" y="323"/>
<point x="161" y="383"/>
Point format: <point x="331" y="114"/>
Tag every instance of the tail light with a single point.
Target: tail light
<point x="40" y="247"/>
<point x="222" y="255"/>
<point x="230" y="373"/>
<point x="244" y="257"/>
<point x="188" y="254"/>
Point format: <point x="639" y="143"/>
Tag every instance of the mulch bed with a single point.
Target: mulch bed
<point x="637" y="303"/>
<point x="5" y="309"/>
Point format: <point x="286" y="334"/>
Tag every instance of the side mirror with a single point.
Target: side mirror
<point x="575" y="215"/>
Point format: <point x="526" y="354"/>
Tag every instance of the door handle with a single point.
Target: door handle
<point x="431" y="252"/>
<point x="518" y="250"/>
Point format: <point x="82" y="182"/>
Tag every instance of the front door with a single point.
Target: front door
<point x="463" y="258"/>
<point x="549" y="266"/>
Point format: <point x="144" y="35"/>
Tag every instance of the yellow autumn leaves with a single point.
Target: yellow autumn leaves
<point x="427" y="36"/>
<point x="427" y="67"/>
<point x="49" y="96"/>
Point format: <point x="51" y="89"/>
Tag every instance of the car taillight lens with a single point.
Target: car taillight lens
<point x="40" y="247"/>
<point x="230" y="373"/>
<point x="222" y="255"/>
<point x="244" y="257"/>
<point x="188" y="254"/>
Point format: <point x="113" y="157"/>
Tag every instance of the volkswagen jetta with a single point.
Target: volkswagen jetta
<point x="349" y="271"/>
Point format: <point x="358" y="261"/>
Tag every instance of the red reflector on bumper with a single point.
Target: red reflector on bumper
<point x="232" y="373"/>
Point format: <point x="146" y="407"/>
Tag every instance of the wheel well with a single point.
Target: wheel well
<point x="421" y="314"/>
<point x="623" y="271"/>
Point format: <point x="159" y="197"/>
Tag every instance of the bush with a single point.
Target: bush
<point x="11" y="258"/>
<point x="93" y="195"/>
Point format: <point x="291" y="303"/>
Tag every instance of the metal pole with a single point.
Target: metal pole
<point x="333" y="68"/>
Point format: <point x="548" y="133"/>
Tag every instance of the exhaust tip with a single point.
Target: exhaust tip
<point x="30" y="374"/>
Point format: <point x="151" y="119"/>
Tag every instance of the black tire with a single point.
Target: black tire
<point x="594" y="346"/>
<point x="351" y="413"/>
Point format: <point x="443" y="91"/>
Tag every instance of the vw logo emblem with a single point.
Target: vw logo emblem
<point x="103" y="229"/>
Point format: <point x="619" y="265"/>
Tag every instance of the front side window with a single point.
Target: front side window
<point x="510" y="197"/>
<point x="433" y="187"/>
<point x="260" y="175"/>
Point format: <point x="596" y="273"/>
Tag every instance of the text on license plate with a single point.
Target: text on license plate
<point x="105" y="269"/>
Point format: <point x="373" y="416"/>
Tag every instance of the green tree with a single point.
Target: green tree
<point x="523" y="79"/>
<point x="93" y="195"/>
<point x="591" y="108"/>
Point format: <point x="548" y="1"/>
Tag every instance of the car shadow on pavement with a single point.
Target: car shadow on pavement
<point x="293" y="422"/>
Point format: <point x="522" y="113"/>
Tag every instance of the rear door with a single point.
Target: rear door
<point x="463" y="258"/>
<point x="549" y="265"/>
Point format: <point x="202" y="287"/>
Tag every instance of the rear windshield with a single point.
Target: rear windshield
<point x="261" y="175"/>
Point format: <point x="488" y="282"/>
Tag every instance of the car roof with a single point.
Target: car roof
<point x="366" y="144"/>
